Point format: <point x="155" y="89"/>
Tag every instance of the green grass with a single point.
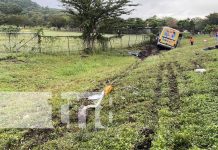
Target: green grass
<point x="163" y="94"/>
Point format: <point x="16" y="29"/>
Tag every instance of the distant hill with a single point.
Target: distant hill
<point x="29" y="13"/>
<point x="21" y="6"/>
<point x="22" y="3"/>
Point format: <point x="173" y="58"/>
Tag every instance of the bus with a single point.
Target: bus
<point x="169" y="38"/>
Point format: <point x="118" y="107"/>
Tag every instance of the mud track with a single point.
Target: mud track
<point x="174" y="101"/>
<point x="148" y="133"/>
<point x="173" y="88"/>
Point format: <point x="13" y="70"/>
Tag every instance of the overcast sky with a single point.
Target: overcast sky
<point x="173" y="8"/>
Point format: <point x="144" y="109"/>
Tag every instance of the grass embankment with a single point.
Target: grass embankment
<point x="161" y="104"/>
<point x="56" y="74"/>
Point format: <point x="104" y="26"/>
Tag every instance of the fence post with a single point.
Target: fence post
<point x="110" y="43"/>
<point x="39" y="42"/>
<point x="129" y="41"/>
<point x="136" y="39"/>
<point x="68" y="42"/>
<point x="121" y="40"/>
<point x="9" y="39"/>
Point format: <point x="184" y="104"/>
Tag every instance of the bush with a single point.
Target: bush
<point x="9" y="29"/>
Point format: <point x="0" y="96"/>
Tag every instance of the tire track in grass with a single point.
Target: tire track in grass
<point x="174" y="107"/>
<point x="35" y="137"/>
<point x="174" y="96"/>
<point x="168" y="110"/>
<point x="158" y="94"/>
<point x="148" y="133"/>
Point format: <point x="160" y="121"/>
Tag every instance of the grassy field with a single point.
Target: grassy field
<point x="55" y="43"/>
<point x="160" y="104"/>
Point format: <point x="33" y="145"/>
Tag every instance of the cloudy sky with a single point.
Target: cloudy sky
<point x="175" y="8"/>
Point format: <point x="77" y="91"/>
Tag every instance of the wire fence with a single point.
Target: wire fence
<point x="16" y="42"/>
<point x="33" y="42"/>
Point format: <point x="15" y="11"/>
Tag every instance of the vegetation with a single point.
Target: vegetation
<point x="70" y="41"/>
<point x="160" y="103"/>
<point x="92" y="14"/>
<point x="27" y="13"/>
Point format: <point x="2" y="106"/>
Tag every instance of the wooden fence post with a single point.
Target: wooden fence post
<point x="129" y="41"/>
<point x="9" y="39"/>
<point x="68" y="42"/>
<point x="39" y="42"/>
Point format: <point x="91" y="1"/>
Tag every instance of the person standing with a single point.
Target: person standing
<point x="192" y="40"/>
<point x="217" y="36"/>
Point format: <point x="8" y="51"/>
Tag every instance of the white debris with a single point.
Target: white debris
<point x="82" y="114"/>
<point x="95" y="97"/>
<point x="200" y="70"/>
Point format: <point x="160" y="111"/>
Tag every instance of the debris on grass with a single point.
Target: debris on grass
<point x="211" y="48"/>
<point x="200" y="71"/>
<point x="12" y="59"/>
<point x="147" y="51"/>
<point x="97" y="99"/>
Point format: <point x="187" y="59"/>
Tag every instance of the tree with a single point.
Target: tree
<point x="112" y="26"/>
<point x="186" y="24"/>
<point x="155" y="23"/>
<point x="213" y="19"/>
<point x="15" y="20"/>
<point x="210" y="28"/>
<point x="199" y="24"/>
<point x="58" y="21"/>
<point x="3" y="19"/>
<point x="10" y="8"/>
<point x="91" y="13"/>
<point x="170" y="22"/>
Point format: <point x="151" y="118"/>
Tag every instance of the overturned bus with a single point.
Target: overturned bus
<point x="169" y="38"/>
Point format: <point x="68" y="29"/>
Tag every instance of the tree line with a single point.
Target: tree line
<point x="27" y="13"/>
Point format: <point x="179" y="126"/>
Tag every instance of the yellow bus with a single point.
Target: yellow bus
<point x="169" y="38"/>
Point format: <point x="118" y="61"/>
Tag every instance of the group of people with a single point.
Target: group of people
<point x="192" y="40"/>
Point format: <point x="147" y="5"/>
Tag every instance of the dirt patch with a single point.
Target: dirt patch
<point x="147" y="51"/>
<point x="147" y="142"/>
<point x="11" y="59"/>
<point x="36" y="137"/>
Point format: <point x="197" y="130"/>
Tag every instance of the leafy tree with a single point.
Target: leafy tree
<point x="186" y="24"/>
<point x="9" y="29"/>
<point x="112" y="26"/>
<point x="58" y="21"/>
<point x="170" y="22"/>
<point x="15" y="20"/>
<point x="3" y="19"/>
<point x="10" y="8"/>
<point x="155" y="23"/>
<point x="212" y="19"/>
<point x="135" y="23"/>
<point x="199" y="24"/>
<point x="91" y="13"/>
<point x="73" y="22"/>
<point x="210" y="28"/>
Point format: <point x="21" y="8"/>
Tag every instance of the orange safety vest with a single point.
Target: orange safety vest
<point x="192" y="40"/>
